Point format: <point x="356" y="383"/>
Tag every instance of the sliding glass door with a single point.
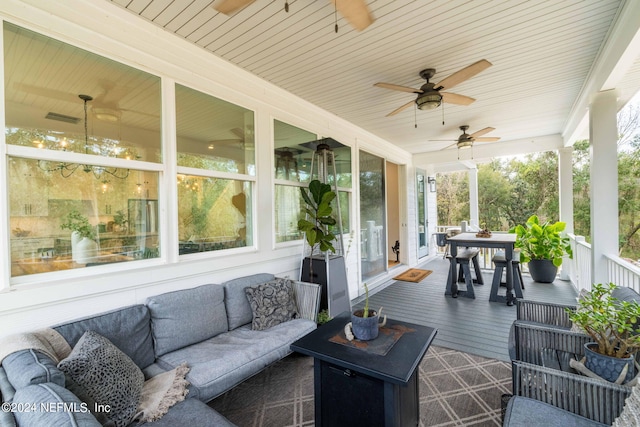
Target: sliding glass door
<point x="373" y="232"/>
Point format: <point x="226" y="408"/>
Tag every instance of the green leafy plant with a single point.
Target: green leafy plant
<point x="323" y="317"/>
<point x="79" y="223"/>
<point x="611" y="323"/>
<point x="542" y="241"/>
<point x="120" y="218"/>
<point x="319" y="218"/>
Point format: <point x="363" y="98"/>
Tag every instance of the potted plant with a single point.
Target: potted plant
<point x="83" y="245"/>
<point x="364" y="323"/>
<point x="120" y="220"/>
<point x="542" y="246"/>
<point x="613" y="326"/>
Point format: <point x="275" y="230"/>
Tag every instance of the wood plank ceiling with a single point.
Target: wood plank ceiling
<point x="542" y="53"/>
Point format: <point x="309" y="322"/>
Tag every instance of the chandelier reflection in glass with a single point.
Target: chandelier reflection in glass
<point x="68" y="169"/>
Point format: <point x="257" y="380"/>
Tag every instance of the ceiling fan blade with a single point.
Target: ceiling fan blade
<point x="454" y="98"/>
<point x="487" y="139"/>
<point x="404" y="107"/>
<point x="449" y="146"/>
<point x="397" y="87"/>
<point x="48" y="93"/>
<point x="464" y="74"/>
<point x="228" y="7"/>
<point x="356" y="12"/>
<point x="482" y="132"/>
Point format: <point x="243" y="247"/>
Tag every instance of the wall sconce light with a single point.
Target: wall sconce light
<point x="432" y="184"/>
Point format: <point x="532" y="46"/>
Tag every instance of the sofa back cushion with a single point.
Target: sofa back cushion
<point x="127" y="328"/>
<point x="238" y="308"/>
<point x="186" y="317"/>
<point x="27" y="367"/>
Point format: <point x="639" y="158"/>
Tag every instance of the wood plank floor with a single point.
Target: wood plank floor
<point x="474" y="326"/>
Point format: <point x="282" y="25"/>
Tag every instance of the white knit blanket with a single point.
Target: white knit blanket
<point x="48" y="341"/>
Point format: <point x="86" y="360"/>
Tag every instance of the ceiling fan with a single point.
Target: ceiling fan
<point x="355" y="11"/>
<point x="105" y="106"/>
<point x="466" y="140"/>
<point x="429" y="95"/>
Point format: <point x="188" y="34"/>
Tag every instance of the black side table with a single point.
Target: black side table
<point x="357" y="387"/>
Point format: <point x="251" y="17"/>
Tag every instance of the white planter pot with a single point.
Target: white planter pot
<point x="86" y="250"/>
<point x="75" y="239"/>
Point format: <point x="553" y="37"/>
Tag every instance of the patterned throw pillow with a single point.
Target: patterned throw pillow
<point x="106" y="375"/>
<point x="271" y="303"/>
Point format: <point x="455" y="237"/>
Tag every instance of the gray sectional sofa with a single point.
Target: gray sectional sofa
<point x="208" y="327"/>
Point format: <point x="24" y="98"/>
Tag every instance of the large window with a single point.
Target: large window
<point x="295" y="159"/>
<point x="216" y="166"/>
<point x="84" y="140"/>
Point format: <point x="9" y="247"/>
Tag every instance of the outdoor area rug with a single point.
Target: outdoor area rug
<point x="413" y="275"/>
<point x="456" y="389"/>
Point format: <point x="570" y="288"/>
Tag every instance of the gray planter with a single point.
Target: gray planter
<point x="365" y="328"/>
<point x="607" y="367"/>
<point x="542" y="270"/>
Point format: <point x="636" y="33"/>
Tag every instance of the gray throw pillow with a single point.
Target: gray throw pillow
<point x="106" y="375"/>
<point x="271" y="303"/>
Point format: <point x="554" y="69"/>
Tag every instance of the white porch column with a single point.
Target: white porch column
<point x="474" y="217"/>
<point x="565" y="194"/>
<point x="603" y="137"/>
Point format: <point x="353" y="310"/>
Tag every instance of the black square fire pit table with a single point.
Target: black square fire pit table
<point x="366" y="383"/>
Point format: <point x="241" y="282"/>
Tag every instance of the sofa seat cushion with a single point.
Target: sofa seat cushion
<point x="52" y="405"/>
<point x="220" y="363"/>
<point x="526" y="412"/>
<point x="127" y="328"/>
<point x="187" y="316"/>
<point x="27" y="367"/>
<point x="238" y="308"/>
<point x="190" y="412"/>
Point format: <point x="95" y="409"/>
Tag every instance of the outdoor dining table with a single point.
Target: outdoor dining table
<point x="504" y="241"/>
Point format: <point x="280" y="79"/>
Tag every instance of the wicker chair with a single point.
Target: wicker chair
<point x="541" y="335"/>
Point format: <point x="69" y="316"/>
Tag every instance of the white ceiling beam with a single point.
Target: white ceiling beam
<point x="616" y="56"/>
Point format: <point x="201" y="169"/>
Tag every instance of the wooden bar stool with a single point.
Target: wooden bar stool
<point x="500" y="263"/>
<point x="464" y="273"/>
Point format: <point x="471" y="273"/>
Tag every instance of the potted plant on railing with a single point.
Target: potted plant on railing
<point x="613" y="326"/>
<point x="542" y="245"/>
<point x="83" y="245"/>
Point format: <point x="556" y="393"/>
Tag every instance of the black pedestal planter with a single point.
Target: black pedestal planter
<point x="542" y="270"/>
<point x="333" y="279"/>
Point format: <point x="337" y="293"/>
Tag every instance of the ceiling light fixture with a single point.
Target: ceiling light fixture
<point x="106" y="114"/>
<point x="67" y="169"/>
<point x="429" y="100"/>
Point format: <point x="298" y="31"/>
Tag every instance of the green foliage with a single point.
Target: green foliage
<point x="318" y="209"/>
<point x="323" y="317"/>
<point x="365" y="312"/>
<point x="542" y="241"/>
<point x="611" y="323"/>
<point x="79" y="223"/>
<point x="120" y="218"/>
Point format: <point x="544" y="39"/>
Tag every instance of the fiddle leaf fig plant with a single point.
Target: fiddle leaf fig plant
<point x="542" y="241"/>
<point x="319" y="218"/>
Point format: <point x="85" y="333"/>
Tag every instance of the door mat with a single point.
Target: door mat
<point x="413" y="275"/>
